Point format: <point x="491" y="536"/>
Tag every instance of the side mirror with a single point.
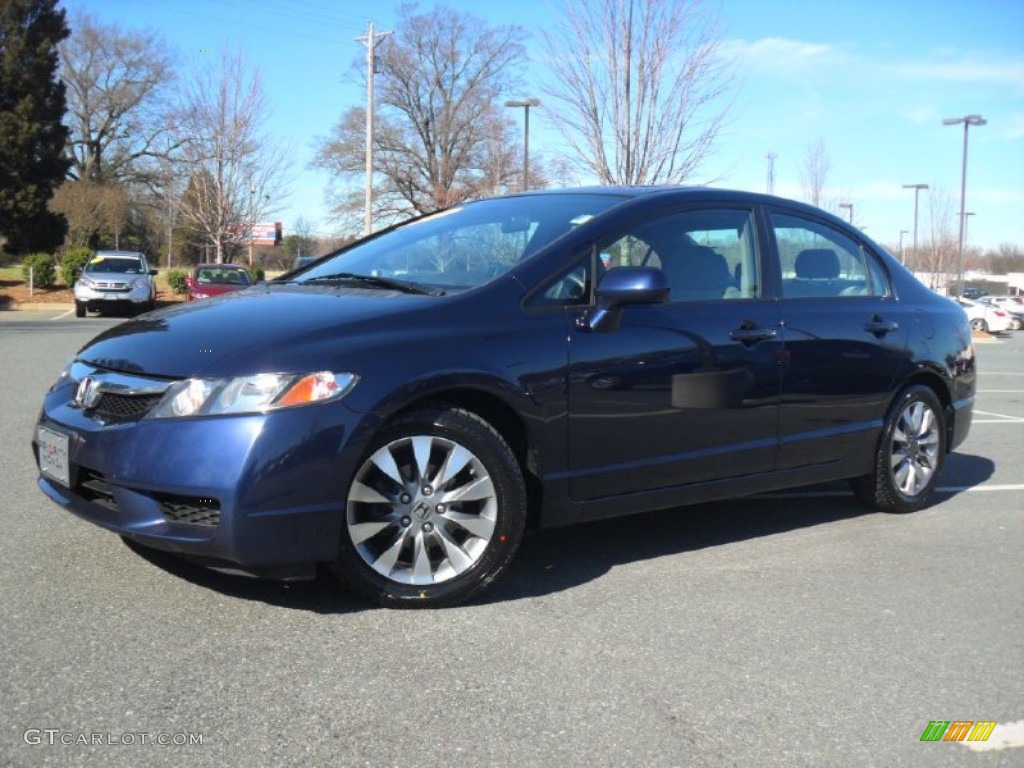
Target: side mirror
<point x="154" y="271"/>
<point x="622" y="286"/>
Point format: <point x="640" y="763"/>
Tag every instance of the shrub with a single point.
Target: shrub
<point x="176" y="279"/>
<point x="256" y="274"/>
<point x="43" y="269"/>
<point x="71" y="264"/>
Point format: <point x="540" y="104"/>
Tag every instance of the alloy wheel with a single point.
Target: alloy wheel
<point x="422" y="510"/>
<point x="915" y="448"/>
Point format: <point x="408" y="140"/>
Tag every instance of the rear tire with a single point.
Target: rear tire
<point x="979" y="324"/>
<point x="434" y="513"/>
<point x="910" y="454"/>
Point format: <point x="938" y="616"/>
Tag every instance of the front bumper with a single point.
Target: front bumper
<point x="261" y="493"/>
<point x="97" y="297"/>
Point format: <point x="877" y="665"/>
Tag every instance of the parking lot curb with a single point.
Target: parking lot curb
<point x="41" y="306"/>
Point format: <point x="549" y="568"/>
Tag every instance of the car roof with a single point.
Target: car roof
<point x="120" y="254"/>
<point x="215" y="265"/>
<point x="683" y="193"/>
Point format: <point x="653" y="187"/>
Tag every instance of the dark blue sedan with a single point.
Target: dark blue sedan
<point x="402" y="409"/>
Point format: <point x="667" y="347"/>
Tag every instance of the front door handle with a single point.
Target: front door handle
<point x="752" y="335"/>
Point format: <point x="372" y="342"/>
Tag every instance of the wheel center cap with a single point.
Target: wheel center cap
<point x="422" y="510"/>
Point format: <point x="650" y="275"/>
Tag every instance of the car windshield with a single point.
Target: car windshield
<point x="110" y="265"/>
<point x="465" y="246"/>
<point x="222" y="276"/>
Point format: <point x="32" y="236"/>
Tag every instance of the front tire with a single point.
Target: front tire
<point x="910" y="454"/>
<point x="435" y="511"/>
<point x="79" y="309"/>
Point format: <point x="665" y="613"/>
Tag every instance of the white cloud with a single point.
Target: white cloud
<point x="965" y="69"/>
<point x="920" y="115"/>
<point x="1016" y="129"/>
<point x="778" y="53"/>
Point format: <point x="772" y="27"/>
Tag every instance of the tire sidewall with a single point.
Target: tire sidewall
<point x="498" y="460"/>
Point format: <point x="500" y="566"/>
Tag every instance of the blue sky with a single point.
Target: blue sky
<point x="873" y="79"/>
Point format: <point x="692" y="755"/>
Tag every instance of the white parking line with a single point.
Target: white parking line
<point x="941" y="489"/>
<point x="972" y="488"/>
<point x="1000" y="418"/>
<point x="61" y="317"/>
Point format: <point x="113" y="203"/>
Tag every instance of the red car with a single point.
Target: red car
<point x="210" y="280"/>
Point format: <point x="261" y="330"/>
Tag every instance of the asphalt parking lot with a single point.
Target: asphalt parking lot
<point x="786" y="630"/>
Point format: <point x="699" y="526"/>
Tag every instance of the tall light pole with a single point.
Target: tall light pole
<point x="968" y="121"/>
<point x="917" y="191"/>
<point x="370" y="39"/>
<point x="525" y="104"/>
<point x="902" y="233"/>
<point x="968" y="213"/>
<point x="771" y="172"/>
<point x="850" y="206"/>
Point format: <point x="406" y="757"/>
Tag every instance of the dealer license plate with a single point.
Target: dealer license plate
<point x="53" y="455"/>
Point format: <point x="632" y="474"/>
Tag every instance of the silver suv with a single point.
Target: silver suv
<point x="116" y="279"/>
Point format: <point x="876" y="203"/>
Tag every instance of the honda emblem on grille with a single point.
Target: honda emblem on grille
<point x="88" y="393"/>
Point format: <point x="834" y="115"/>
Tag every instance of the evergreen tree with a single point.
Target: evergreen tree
<point x="32" y="137"/>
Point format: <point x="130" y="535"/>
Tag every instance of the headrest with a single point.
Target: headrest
<point x="817" y="264"/>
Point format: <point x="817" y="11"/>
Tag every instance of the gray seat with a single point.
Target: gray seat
<point x="698" y="273"/>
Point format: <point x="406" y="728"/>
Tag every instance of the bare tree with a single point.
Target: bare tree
<point x="231" y="166"/>
<point x="638" y="87"/>
<point x="91" y="209"/>
<point x="814" y="172"/>
<point x="937" y="257"/>
<point x="118" y="86"/>
<point x="439" y="77"/>
<point x="79" y="204"/>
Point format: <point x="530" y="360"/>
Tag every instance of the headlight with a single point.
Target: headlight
<point x="86" y="282"/>
<point x="251" y="394"/>
<point x="200" y="295"/>
<point x="140" y="282"/>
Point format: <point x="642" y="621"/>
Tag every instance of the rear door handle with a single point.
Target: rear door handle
<point x="880" y="327"/>
<point x="752" y="335"/>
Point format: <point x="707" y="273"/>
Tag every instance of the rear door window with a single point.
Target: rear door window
<point x="819" y="261"/>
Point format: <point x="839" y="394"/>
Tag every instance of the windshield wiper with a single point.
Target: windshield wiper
<point x="379" y="282"/>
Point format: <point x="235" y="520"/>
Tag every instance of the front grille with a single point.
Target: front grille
<point x="116" y="407"/>
<point x="190" y="510"/>
<point x="113" y="287"/>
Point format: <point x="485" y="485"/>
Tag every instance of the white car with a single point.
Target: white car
<point x="985" y="317"/>
<point x="1014" y="305"/>
<point x="115" y="280"/>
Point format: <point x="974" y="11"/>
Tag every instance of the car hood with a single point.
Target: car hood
<point x="216" y="289"/>
<point x="106" y="277"/>
<point x="284" y="328"/>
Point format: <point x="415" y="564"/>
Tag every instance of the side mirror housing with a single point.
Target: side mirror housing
<point x="622" y="286"/>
